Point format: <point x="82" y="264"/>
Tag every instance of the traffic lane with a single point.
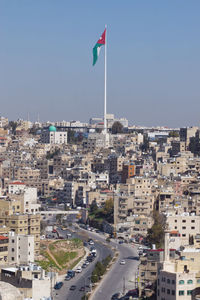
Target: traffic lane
<point x="114" y="280"/>
<point x="81" y="278"/>
<point x="66" y="293"/>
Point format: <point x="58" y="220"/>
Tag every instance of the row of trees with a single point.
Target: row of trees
<point x="100" y="269"/>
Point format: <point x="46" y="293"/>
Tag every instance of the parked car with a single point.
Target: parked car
<point x="67" y="278"/>
<point x="58" y="285"/>
<point x="122" y="262"/>
<point x="79" y="270"/>
<point x="71" y="273"/>
<point x="132" y="293"/>
<point x="82" y="289"/>
<point x="115" y="296"/>
<point x="91" y="242"/>
<point x="72" y="287"/>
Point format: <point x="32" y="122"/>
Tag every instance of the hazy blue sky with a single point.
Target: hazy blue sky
<point x="153" y="60"/>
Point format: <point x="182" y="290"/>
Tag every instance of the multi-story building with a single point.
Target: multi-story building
<point x="25" y="224"/>
<point x="20" y="248"/>
<point x="52" y="136"/>
<point x="3" y="250"/>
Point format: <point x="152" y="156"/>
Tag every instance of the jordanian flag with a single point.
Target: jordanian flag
<point x="97" y="47"/>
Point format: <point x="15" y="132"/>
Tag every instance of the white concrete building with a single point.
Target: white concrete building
<point x="20" y="248"/>
<point x="186" y="224"/>
<point x="52" y="136"/>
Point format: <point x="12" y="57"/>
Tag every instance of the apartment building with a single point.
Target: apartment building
<point x="185" y="224"/>
<point x="3" y="249"/>
<point x="20" y="248"/>
<point x="25" y="224"/>
<point x="148" y="270"/>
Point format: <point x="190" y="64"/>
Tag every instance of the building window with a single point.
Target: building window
<point x="181" y="293"/>
<point x="181" y="282"/>
<point x="198" y="280"/>
<point x="193" y="221"/>
<point x="173" y="292"/>
<point x="168" y="291"/>
<point x="189" y="292"/>
<point x="190" y="281"/>
<point x="183" y="221"/>
<point x="13" y="249"/>
<point x="13" y="258"/>
<point x="173" y="281"/>
<point x="153" y="273"/>
<point x="13" y="241"/>
<point x="183" y="227"/>
<point x="192" y="227"/>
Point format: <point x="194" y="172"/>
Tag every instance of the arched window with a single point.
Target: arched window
<point x="181" y="282"/>
<point x="190" y="281"/>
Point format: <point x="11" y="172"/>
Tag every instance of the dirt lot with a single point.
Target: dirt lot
<point x="60" y="255"/>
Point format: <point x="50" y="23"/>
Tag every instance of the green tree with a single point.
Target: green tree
<point x="173" y="133"/>
<point x="117" y="127"/>
<point x="93" y="207"/>
<point x="156" y="234"/>
<point x="59" y="219"/>
<point x="109" y="206"/>
<point x="13" y="126"/>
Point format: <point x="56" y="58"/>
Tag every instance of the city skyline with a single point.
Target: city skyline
<point x="153" y="61"/>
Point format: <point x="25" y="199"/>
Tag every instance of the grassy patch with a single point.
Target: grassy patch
<point x="77" y="243"/>
<point x="49" y="262"/>
<point x="63" y="257"/>
<point x="75" y="262"/>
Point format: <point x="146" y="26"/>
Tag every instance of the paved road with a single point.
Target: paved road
<point x="115" y="278"/>
<point x="81" y="279"/>
<point x="120" y="278"/>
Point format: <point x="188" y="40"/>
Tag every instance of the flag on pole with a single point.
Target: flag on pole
<point x="97" y="47"/>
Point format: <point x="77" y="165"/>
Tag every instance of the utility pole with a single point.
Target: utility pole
<point x="124" y="287"/>
<point x="51" y="282"/>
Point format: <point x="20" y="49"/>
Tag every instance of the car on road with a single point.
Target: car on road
<point x="115" y="296"/>
<point x="90" y="258"/>
<point x="132" y="293"/>
<point x="79" y="270"/>
<point x="58" y="285"/>
<point x="67" y="278"/>
<point x="71" y="273"/>
<point x="90" y="242"/>
<point x="72" y="287"/>
<point x="82" y="289"/>
<point x="84" y="266"/>
<point x="121" y="242"/>
<point x="86" y="262"/>
<point x="122" y="262"/>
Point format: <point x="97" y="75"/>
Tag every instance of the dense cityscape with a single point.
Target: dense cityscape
<point x="86" y="214"/>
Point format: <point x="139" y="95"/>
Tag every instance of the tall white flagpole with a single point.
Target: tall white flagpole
<point x="105" y="83"/>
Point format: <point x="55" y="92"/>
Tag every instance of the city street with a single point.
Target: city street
<point x="120" y="278"/>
